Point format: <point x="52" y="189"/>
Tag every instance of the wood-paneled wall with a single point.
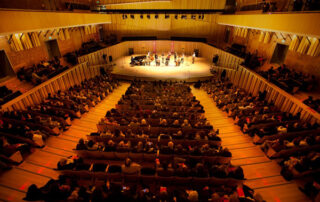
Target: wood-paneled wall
<point x="63" y="81"/>
<point x="226" y="59"/>
<point x="27" y="58"/>
<point x="165" y="28"/>
<point x="142" y="47"/>
<point x="253" y="83"/>
<point x="169" y="4"/>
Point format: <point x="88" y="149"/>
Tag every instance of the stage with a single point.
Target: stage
<point x="186" y="71"/>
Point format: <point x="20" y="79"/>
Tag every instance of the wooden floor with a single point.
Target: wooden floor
<point x="187" y="70"/>
<point x="262" y="174"/>
<point x="38" y="167"/>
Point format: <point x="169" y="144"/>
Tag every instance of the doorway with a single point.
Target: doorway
<point x="101" y="33"/>
<point x="53" y="49"/>
<point x="5" y="65"/>
<point x="279" y="53"/>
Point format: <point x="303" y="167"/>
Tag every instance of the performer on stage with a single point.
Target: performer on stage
<point x="178" y="62"/>
<point x="182" y="58"/>
<point x="175" y="56"/>
<point x="162" y="58"/>
<point x="193" y="57"/>
<point x="168" y="60"/>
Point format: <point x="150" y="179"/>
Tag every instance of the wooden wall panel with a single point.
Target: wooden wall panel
<point x="304" y="24"/>
<point x="164" y="28"/>
<point x="163" y="4"/>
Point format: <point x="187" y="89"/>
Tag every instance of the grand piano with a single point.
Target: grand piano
<point x="138" y="60"/>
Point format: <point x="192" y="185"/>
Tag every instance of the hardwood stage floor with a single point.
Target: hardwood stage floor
<point x="262" y="173"/>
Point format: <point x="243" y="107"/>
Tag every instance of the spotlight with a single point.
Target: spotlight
<point x="132" y="16"/>
<point x="148" y="16"/>
<point x="141" y="16"/>
<point x="176" y="17"/>
<point x="166" y="16"/>
<point x="156" y="16"/>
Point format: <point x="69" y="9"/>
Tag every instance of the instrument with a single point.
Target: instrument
<point x="138" y="60"/>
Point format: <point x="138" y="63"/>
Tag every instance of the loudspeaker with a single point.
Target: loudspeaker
<point x="131" y="51"/>
<point x="110" y="58"/>
<point x="196" y="51"/>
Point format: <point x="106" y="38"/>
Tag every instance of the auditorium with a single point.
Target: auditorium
<point x="160" y="100"/>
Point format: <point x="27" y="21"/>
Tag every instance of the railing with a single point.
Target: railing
<point x="63" y="81"/>
<point x="253" y="83"/>
<point x="119" y="50"/>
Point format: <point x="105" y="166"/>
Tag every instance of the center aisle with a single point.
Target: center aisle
<point x="38" y="167"/>
<point x="262" y="174"/>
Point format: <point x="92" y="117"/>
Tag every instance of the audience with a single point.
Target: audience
<point x="158" y="136"/>
<point x="314" y="104"/>
<point x="22" y="129"/>
<point x="282" y="135"/>
<point x="289" y="80"/>
<point x="41" y="72"/>
<point x="71" y="189"/>
<point x="86" y="48"/>
<point x="6" y="95"/>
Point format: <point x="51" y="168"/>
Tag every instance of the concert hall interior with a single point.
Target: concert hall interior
<point x="160" y="100"/>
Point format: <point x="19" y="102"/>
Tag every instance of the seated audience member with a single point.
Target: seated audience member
<point x="92" y="146"/>
<point x="81" y="145"/>
<point x="165" y="170"/>
<point x="130" y="167"/>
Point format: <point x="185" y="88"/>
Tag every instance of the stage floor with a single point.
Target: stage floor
<point x="187" y="70"/>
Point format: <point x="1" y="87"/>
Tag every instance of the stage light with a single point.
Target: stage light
<point x="141" y="16"/>
<point x="176" y="17"/>
<point x="132" y="16"/>
<point x="166" y="16"/>
<point x="148" y="16"/>
<point x="156" y="16"/>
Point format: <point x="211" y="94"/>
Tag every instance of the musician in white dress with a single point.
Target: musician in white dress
<point x="193" y="57"/>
